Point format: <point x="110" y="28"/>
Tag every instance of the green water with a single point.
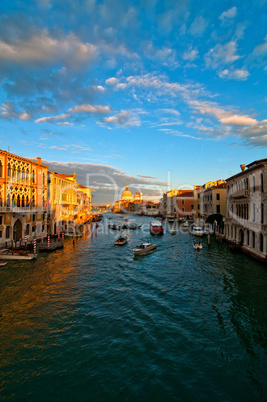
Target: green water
<point x="93" y="323"/>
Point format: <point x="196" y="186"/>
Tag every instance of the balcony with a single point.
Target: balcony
<point x="23" y="210"/>
<point x="240" y="194"/>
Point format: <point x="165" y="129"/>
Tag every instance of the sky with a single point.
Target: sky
<point x="150" y="94"/>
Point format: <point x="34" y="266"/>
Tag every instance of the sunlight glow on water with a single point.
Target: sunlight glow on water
<point x="91" y="322"/>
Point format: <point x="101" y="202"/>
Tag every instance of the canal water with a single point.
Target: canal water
<point x="93" y="323"/>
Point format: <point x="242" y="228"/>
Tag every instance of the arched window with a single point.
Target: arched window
<point x="33" y="176"/>
<point x="1" y="200"/>
<point x="262" y="184"/>
<point x="8" y="170"/>
<point x="261" y="242"/>
<point x="248" y="237"/>
<point x="254" y="184"/>
<point x="18" y="201"/>
<point x="253" y="239"/>
<point x="23" y="202"/>
<point x="13" y="201"/>
<point x="253" y="212"/>
<point x="262" y="212"/>
<point x="8" y="201"/>
<point x="13" y="171"/>
<point x="33" y="201"/>
<point x="27" y="201"/>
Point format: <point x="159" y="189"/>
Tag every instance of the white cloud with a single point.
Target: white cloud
<point x="51" y="119"/>
<point x="260" y="50"/>
<point x="198" y="26"/>
<point x="190" y="55"/>
<point x="123" y="119"/>
<point x="112" y="81"/>
<point x="97" y="109"/>
<point x="228" y="15"/>
<point x="240" y="74"/>
<point x="221" y="54"/>
<point x="9" y="111"/>
<point x="66" y="123"/>
<point x="58" y="148"/>
<point x="42" y="49"/>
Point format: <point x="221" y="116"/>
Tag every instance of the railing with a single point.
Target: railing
<point x="239" y="194"/>
<point x="23" y="209"/>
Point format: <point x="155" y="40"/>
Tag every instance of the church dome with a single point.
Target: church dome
<point x="127" y="195"/>
<point x="137" y="195"/>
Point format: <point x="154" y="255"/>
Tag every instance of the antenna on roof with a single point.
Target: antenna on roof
<point x="8" y="148"/>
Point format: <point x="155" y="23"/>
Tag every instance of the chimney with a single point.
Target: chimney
<point x="243" y="167"/>
<point x="38" y="160"/>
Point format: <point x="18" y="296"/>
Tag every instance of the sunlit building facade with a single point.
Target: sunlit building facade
<point x="23" y="198"/>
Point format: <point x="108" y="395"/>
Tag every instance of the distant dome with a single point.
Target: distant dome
<point x="126" y="195"/>
<point x="137" y="195"/>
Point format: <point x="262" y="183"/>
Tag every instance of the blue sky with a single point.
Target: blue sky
<point x="153" y="94"/>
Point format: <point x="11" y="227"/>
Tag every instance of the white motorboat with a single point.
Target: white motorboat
<point x="197" y="231"/>
<point x="3" y="263"/>
<point x="173" y="231"/>
<point x="144" y="248"/>
<point x="6" y="254"/>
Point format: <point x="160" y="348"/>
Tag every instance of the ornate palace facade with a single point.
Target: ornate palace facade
<point x="35" y="201"/>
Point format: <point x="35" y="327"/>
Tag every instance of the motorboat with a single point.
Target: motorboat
<point x="144" y="248"/>
<point x="132" y="226"/>
<point x="3" y="263"/>
<point x="156" y="228"/>
<point x="197" y="245"/>
<point x="7" y="254"/>
<point x="197" y="231"/>
<point x="114" y="227"/>
<point x="173" y="231"/>
<point x="171" y="219"/>
<point x="121" y="241"/>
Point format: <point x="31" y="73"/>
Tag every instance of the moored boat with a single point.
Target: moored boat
<point x="7" y="254"/>
<point x="156" y="228"/>
<point x="173" y="231"/>
<point x="144" y="248"/>
<point x="3" y="263"/>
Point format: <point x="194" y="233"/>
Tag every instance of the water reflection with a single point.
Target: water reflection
<point x="173" y="322"/>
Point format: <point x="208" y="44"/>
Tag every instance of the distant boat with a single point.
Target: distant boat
<point x="121" y="241"/>
<point x="156" y="228"/>
<point x="3" y="263"/>
<point x="197" y="231"/>
<point x="197" y="245"/>
<point x="173" y="231"/>
<point x="171" y="219"/>
<point x="144" y="248"/>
